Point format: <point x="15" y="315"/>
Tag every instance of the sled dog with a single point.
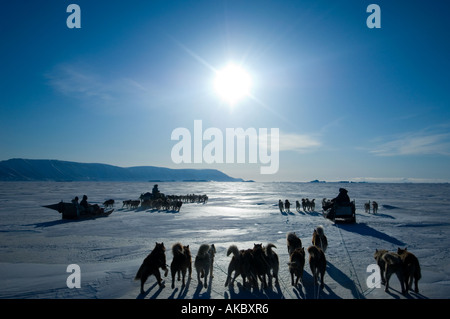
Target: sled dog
<point x="151" y="264"/>
<point x="246" y="268"/>
<point x="411" y="269"/>
<point x="317" y="263"/>
<point x="305" y="204"/>
<point x="241" y="264"/>
<point x="253" y="264"/>
<point x="319" y="239"/>
<point x="296" y="265"/>
<point x="389" y="264"/>
<point x="260" y="266"/>
<point x="293" y="242"/>
<point x="108" y="203"/>
<point x="297" y="206"/>
<point x="204" y="263"/>
<point x="134" y="204"/>
<point x="234" y="265"/>
<point x="367" y="207"/>
<point x="181" y="263"/>
<point x="273" y="262"/>
<point x="374" y="207"/>
<point x="126" y="203"/>
<point x="280" y="205"/>
<point x="287" y="206"/>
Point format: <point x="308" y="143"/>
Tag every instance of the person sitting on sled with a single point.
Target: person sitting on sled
<point x="155" y="191"/>
<point x="89" y="209"/>
<point x="342" y="199"/>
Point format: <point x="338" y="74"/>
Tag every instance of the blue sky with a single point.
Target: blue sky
<point x="351" y="103"/>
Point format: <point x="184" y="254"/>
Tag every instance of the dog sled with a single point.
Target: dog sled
<point x="72" y="211"/>
<point x="151" y="196"/>
<point x="341" y="213"/>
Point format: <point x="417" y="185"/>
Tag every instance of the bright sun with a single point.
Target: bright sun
<point x="232" y="84"/>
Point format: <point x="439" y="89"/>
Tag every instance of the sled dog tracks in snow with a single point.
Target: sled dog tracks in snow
<point x="353" y="274"/>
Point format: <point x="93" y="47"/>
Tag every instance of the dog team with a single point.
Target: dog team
<point x="317" y="260"/>
<point x="254" y="265"/>
<point x="261" y="264"/>
<point x="181" y="264"/>
<point x="307" y="205"/>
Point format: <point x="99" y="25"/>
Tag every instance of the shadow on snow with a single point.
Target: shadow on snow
<point x="365" y="230"/>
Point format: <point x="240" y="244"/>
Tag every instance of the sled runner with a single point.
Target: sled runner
<point x="71" y="211"/>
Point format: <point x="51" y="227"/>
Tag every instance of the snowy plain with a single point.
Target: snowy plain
<point x="36" y="245"/>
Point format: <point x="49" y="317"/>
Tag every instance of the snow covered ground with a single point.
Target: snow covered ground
<point x="36" y="246"/>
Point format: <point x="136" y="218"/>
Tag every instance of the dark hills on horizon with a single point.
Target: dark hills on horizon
<point x="19" y="169"/>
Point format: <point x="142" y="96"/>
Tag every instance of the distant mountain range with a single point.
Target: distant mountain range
<point x="54" y="170"/>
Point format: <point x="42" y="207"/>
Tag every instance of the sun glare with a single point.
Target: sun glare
<point x="232" y="84"/>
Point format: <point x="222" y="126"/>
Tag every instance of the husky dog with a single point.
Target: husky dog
<point x="374" y="207"/>
<point x="389" y="264"/>
<point x="260" y="266"/>
<point x="134" y="204"/>
<point x="287" y="205"/>
<point x="241" y="264"/>
<point x="204" y="262"/>
<point x="151" y="264"/>
<point x="367" y="207"/>
<point x="253" y="264"/>
<point x="304" y="204"/>
<point x="126" y="203"/>
<point x="308" y="205"/>
<point x="273" y="262"/>
<point x="280" y="205"/>
<point x="411" y="269"/>
<point x="182" y="261"/>
<point x="296" y="265"/>
<point x="312" y="205"/>
<point x="293" y="242"/>
<point x="246" y="268"/>
<point x="326" y="204"/>
<point x="131" y="204"/>
<point x="317" y="263"/>
<point x="319" y="239"/>
<point x="235" y="264"/>
<point x="381" y="263"/>
<point x="108" y="203"/>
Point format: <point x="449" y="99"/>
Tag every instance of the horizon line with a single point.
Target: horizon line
<point x="354" y="180"/>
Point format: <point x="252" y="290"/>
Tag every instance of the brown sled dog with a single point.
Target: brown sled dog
<point x="411" y="269"/>
<point x="241" y="264"/>
<point x="181" y="263"/>
<point x="151" y="264"/>
<point x="204" y="263"/>
<point x="317" y="263"/>
<point x="389" y="264"/>
<point x="319" y="239"/>
<point x="274" y="263"/>
<point x="260" y="267"/>
<point x="296" y="265"/>
<point x="234" y="265"/>
<point x="293" y="242"/>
